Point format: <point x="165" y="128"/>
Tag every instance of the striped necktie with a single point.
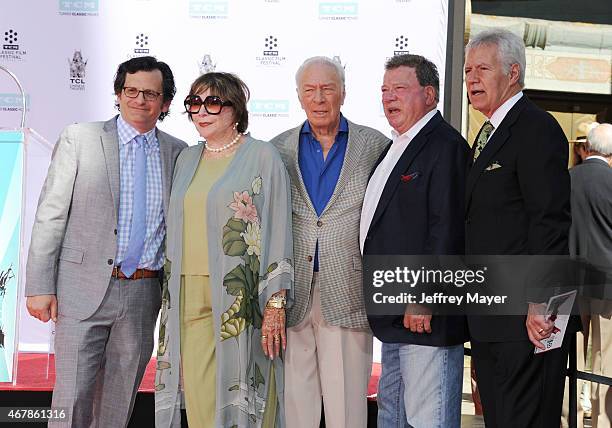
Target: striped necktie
<point x="139" y="208"/>
<point x="483" y="137"/>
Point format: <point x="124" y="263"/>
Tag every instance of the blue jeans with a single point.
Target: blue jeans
<point x="420" y="386"/>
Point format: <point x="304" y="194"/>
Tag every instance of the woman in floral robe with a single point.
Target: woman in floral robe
<point x="248" y="228"/>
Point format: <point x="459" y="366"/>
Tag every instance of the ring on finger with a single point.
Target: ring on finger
<point x="540" y="331"/>
<point x="264" y="337"/>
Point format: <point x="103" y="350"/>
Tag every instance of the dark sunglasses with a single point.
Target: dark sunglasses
<point x="212" y="104"/>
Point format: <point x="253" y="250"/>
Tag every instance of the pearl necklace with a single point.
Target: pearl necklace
<point x="225" y="147"/>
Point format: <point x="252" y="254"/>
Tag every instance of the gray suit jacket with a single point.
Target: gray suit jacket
<point x="337" y="230"/>
<point x="74" y="238"/>
<point x="591" y="232"/>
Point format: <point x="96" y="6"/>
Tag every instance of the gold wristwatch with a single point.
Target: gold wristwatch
<point x="278" y="301"/>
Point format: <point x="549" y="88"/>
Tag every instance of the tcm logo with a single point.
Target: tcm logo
<point x="271" y="53"/>
<point x="269" y="106"/>
<point x="271" y="46"/>
<point x="13" y="102"/>
<point x="78" y="6"/>
<point x="10" y="38"/>
<point x="401" y="45"/>
<point x="142" y="44"/>
<point x="208" y="8"/>
<point x="338" y="9"/>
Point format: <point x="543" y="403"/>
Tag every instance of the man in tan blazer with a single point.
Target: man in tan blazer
<point x="329" y="344"/>
<point x="97" y="250"/>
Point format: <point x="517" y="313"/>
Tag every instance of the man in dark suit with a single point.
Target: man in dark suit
<point x="414" y="206"/>
<point x="517" y="203"/>
<point x="591" y="240"/>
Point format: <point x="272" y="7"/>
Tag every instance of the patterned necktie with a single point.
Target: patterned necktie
<point x="483" y="137"/>
<point x="139" y="202"/>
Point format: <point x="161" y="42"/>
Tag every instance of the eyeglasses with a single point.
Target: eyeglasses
<point x="212" y="104"/>
<point x="148" y="94"/>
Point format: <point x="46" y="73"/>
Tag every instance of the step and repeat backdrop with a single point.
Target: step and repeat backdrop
<point x="65" y="53"/>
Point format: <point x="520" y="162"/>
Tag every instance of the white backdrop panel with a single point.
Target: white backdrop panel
<point x="263" y="41"/>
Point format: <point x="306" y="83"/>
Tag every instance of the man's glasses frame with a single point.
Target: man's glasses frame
<point x="148" y="95"/>
<point x="212" y="104"/>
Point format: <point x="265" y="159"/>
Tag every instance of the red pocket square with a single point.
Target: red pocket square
<point x="406" y="178"/>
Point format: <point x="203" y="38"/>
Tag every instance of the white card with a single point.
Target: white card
<point x="558" y="310"/>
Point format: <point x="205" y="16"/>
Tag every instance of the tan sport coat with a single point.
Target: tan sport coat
<point x="336" y="230"/>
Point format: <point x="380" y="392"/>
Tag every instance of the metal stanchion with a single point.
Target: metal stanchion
<point x="573" y="385"/>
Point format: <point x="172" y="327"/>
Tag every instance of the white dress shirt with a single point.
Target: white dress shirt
<point x="498" y="115"/>
<point x="601" y="158"/>
<point x="383" y="170"/>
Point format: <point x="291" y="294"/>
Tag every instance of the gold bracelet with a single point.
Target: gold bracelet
<point x="277" y="302"/>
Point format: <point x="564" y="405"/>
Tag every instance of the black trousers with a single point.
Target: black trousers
<point x="517" y="387"/>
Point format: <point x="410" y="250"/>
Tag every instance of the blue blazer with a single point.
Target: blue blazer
<point x="423" y="215"/>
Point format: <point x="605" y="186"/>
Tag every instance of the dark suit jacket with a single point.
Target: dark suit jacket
<point x="422" y="216"/>
<point x="523" y="207"/>
<point x="591" y="231"/>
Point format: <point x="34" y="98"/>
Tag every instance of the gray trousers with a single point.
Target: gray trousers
<point x="100" y="361"/>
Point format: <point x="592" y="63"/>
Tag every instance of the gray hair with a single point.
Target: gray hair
<point x="426" y="71"/>
<point x="599" y="139"/>
<point x="321" y="60"/>
<point x="510" y="48"/>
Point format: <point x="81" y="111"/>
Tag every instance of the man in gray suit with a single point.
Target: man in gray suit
<point x="329" y="344"/>
<point x="591" y="239"/>
<point x="97" y="250"/>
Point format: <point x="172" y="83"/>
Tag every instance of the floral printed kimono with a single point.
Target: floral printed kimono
<point x="250" y="258"/>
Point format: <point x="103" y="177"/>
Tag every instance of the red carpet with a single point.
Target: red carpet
<point x="36" y="372"/>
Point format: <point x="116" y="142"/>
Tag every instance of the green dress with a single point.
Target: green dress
<point x="197" y="326"/>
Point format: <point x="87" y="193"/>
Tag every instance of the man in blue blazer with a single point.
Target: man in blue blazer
<point x="414" y="206"/>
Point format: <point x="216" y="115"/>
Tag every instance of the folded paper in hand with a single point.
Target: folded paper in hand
<point x="558" y="310"/>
